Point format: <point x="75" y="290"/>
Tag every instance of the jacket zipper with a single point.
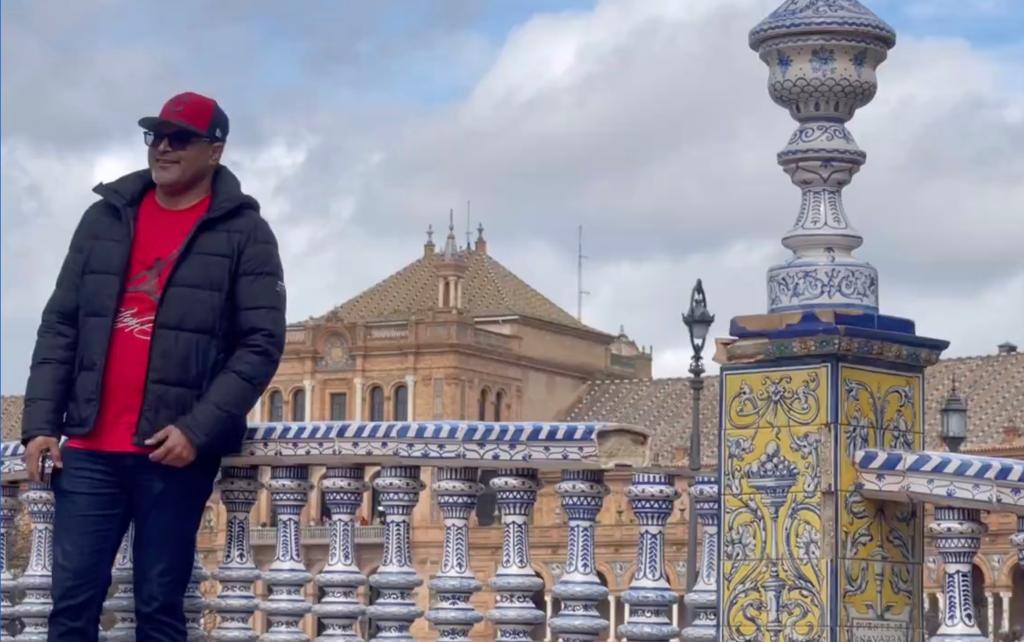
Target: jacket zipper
<point x="156" y="315"/>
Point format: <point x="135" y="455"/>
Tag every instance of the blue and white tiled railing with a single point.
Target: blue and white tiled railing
<point x="460" y="451"/>
<point x="960" y="486"/>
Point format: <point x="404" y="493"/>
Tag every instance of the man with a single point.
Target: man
<point x="166" y="324"/>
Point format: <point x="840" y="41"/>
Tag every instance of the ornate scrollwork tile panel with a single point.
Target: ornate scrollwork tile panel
<point x="877" y="409"/>
<point x="774" y="599"/>
<point x="791" y="456"/>
<point x="776" y="397"/>
<point x="879" y="542"/>
<point x="876" y="598"/>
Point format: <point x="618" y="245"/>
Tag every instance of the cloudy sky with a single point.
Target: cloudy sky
<point x="356" y="124"/>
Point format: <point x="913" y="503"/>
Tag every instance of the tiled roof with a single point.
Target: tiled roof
<point x="10" y="416"/>
<point x="993" y="386"/>
<point x="663" y="406"/>
<point x="489" y="289"/>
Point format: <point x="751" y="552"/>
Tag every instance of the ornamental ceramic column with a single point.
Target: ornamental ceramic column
<point x="8" y="511"/>
<point x="195" y="603"/>
<point x="579" y="589"/>
<point x="287" y="575"/>
<point x="456" y="491"/>
<point x="703" y="599"/>
<point x="822" y="58"/>
<point x="957" y="535"/>
<point x="515" y="582"/>
<point x="122" y="602"/>
<point x="990" y="611"/>
<point x="650" y="597"/>
<point x="395" y="609"/>
<point x="819" y="377"/>
<point x="340" y="608"/>
<point x="235" y="603"/>
<point x="1005" y="600"/>
<point x="38" y="577"/>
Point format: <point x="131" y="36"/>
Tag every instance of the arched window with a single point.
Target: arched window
<point x="499" y="399"/>
<point x="276" y="406"/>
<point x="484" y="398"/>
<point x="400" y="411"/>
<point x="376" y="403"/>
<point x="299" y="405"/>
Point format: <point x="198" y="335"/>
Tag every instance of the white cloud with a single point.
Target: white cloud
<point x="648" y="122"/>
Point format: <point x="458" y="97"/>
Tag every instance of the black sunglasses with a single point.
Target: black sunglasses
<point x="176" y="140"/>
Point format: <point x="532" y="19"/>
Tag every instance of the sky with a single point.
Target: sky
<point x="357" y="124"/>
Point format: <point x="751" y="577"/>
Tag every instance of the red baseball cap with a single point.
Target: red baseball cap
<point x="193" y="112"/>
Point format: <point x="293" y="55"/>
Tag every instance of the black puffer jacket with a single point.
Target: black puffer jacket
<point x="218" y="334"/>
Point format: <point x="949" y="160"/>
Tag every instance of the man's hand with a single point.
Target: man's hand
<point x="34" y="451"/>
<point x="174" y="448"/>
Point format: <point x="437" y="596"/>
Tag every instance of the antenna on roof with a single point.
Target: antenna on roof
<point x="467" y="226"/>
<point x="579" y="278"/>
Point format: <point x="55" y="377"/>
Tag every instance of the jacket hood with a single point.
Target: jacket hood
<point x="130" y="188"/>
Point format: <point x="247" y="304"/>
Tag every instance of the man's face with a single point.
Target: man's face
<point x="180" y="159"/>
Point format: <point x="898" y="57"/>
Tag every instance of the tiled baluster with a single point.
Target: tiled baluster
<point x="195" y="604"/>
<point x="395" y="610"/>
<point x="37" y="579"/>
<point x="8" y="511"/>
<point x="579" y="589"/>
<point x="122" y="602"/>
<point x="703" y="599"/>
<point x="456" y="491"/>
<point x="1018" y="540"/>
<point x="340" y="608"/>
<point x="650" y="597"/>
<point x="287" y="575"/>
<point x="956" y="533"/>
<point x="235" y="603"/>
<point x="514" y="613"/>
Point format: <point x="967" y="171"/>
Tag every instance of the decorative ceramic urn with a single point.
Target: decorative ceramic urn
<point x="822" y="56"/>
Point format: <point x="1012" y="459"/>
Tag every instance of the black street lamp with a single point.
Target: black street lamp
<point x="954" y="420"/>
<point x="698" y="321"/>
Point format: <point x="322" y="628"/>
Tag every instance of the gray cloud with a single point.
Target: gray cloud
<point x="647" y="122"/>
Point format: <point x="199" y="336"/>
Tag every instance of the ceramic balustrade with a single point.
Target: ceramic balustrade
<point x="341" y="613"/>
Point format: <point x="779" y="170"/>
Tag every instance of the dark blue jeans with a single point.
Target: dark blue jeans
<point x="98" y="494"/>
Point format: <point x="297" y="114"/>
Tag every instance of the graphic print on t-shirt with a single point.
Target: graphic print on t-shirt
<point x="160" y="236"/>
<point x="147" y="283"/>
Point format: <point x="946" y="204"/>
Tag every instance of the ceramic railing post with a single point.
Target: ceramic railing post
<point x="287" y="575"/>
<point x="956" y="534"/>
<point x="650" y="597"/>
<point x="579" y="589"/>
<point x="122" y="602"/>
<point x="456" y="491"/>
<point x="340" y="608"/>
<point x="395" y="610"/>
<point x="703" y="599"/>
<point x="8" y="511"/>
<point x="514" y="614"/>
<point x="235" y="602"/>
<point x="38" y="577"/>
<point x="195" y="604"/>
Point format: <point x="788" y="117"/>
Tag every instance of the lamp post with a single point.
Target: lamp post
<point x="954" y="420"/>
<point x="698" y="321"/>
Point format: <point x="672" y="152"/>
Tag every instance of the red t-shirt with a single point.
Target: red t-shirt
<point x="159" y="236"/>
